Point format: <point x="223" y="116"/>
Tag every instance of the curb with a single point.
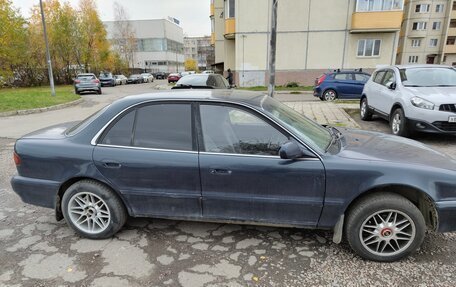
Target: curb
<point x="40" y="110"/>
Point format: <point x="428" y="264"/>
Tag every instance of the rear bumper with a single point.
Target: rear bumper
<point x="34" y="191"/>
<point x="447" y="215"/>
<point x="317" y="92"/>
<point x="88" y="88"/>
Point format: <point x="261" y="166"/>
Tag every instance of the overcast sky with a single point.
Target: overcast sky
<point x="193" y="14"/>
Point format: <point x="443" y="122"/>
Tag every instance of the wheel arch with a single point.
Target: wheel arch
<point x="394" y="107"/>
<point x="330" y="88"/>
<point x="65" y="185"/>
<point x="418" y="197"/>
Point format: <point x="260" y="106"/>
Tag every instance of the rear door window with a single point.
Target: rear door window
<point x="378" y="77"/>
<point x="344" y="77"/>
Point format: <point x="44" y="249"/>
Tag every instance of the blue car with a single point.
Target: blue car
<point x="340" y="85"/>
<point x="236" y="156"/>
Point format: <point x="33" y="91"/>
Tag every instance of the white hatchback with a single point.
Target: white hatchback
<point x="412" y="98"/>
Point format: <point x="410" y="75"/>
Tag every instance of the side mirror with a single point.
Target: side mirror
<point x="290" y="150"/>
<point x="392" y="86"/>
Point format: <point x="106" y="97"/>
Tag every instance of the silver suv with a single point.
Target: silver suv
<point x="412" y="98"/>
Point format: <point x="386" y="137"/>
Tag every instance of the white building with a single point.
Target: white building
<point x="159" y="44"/>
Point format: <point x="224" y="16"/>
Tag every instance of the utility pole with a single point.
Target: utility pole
<point x="48" y="55"/>
<point x="272" y="49"/>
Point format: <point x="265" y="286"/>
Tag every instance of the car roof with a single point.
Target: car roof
<point x="414" y="66"/>
<point x="222" y="95"/>
<point x="86" y="74"/>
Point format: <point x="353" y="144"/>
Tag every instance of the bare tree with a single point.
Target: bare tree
<point x="124" y="40"/>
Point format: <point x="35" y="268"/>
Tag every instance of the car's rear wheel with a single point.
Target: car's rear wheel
<point x="99" y="92"/>
<point x="93" y="210"/>
<point x="76" y="91"/>
<point x="330" y="95"/>
<point x="398" y="123"/>
<point x="384" y="227"/>
<point x="365" y="113"/>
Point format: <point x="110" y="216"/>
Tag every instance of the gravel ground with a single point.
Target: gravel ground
<point x="38" y="251"/>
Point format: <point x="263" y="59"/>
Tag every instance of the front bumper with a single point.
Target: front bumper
<point x="434" y="127"/>
<point x="447" y="215"/>
<point x="34" y="191"/>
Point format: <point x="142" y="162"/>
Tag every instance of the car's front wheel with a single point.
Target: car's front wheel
<point x="365" y="113"/>
<point x="93" y="210"/>
<point x="330" y="95"/>
<point x="384" y="227"/>
<point x="398" y="123"/>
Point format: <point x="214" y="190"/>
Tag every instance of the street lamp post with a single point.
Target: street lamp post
<point x="48" y="55"/>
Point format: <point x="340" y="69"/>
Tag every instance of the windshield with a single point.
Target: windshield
<point x="315" y="135"/>
<point x="105" y="75"/>
<point x="428" y="77"/>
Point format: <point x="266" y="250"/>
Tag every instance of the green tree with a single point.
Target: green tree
<point x="191" y="65"/>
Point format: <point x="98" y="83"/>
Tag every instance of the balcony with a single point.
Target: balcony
<point x="212" y="10"/>
<point x="417" y="34"/>
<point x="382" y="21"/>
<point x="452" y="31"/>
<point x="230" y="28"/>
<point x="450" y="49"/>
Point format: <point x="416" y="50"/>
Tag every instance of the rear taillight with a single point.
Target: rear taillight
<point x="95" y="81"/>
<point x="320" y="80"/>
<point x="17" y="159"/>
<point x="77" y="81"/>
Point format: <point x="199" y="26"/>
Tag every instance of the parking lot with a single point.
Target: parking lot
<point x="38" y="251"/>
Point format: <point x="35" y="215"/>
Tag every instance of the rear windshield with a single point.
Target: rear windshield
<point x="194" y="80"/>
<point x="84" y="123"/>
<point x="86" y="77"/>
<point x="105" y="75"/>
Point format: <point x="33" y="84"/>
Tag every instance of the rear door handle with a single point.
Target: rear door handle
<point x="111" y="164"/>
<point x="220" y="171"/>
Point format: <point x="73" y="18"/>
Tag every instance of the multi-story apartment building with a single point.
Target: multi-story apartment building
<point x="424" y="31"/>
<point x="159" y="44"/>
<point x="200" y="50"/>
<point x="312" y="37"/>
<point x="449" y="48"/>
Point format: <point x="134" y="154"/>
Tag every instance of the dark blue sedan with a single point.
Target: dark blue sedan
<point x="235" y="156"/>
<point x="345" y="84"/>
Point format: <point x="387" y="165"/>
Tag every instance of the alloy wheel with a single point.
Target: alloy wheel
<point x="330" y="95"/>
<point x="387" y="232"/>
<point x="396" y="124"/>
<point x="89" y="213"/>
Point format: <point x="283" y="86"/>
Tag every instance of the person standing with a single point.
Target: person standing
<point x="230" y="77"/>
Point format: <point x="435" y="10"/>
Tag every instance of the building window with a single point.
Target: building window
<point x="451" y="40"/>
<point x="378" y="5"/>
<point x="422" y="8"/>
<point x="454" y="6"/>
<point x="439" y="8"/>
<point x="419" y="26"/>
<point x="416" y="42"/>
<point x="368" y="48"/>
<point x="436" y="25"/>
<point x="229" y="9"/>
<point x="433" y="43"/>
<point x="453" y="23"/>
<point x="413" y="59"/>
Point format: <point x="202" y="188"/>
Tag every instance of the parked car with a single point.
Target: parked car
<point x="107" y="79"/>
<point x="135" y="79"/>
<point x="160" y="75"/>
<point x="202" y="81"/>
<point x="208" y="72"/>
<point x="147" y="77"/>
<point x="340" y="84"/>
<point x="120" y="79"/>
<point x="87" y="82"/>
<point x="412" y="98"/>
<point x="173" y="77"/>
<point x="380" y="192"/>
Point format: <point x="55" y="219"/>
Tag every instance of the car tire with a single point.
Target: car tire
<point x="329" y="95"/>
<point x="99" y="92"/>
<point x="364" y="111"/>
<point x="93" y="210"/>
<point x="76" y="92"/>
<point x="398" y="123"/>
<point x="384" y="227"/>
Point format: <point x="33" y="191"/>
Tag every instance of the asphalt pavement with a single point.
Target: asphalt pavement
<point x="35" y="250"/>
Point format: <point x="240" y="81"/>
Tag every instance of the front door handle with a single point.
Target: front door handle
<point x="111" y="164"/>
<point x="219" y="171"/>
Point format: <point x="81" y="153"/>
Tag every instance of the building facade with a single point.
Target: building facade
<point x="159" y="44"/>
<point x="200" y="50"/>
<point x="312" y="37"/>
<point x="424" y="32"/>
